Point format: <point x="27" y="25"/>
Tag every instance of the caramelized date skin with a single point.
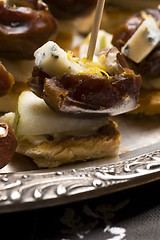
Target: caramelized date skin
<point x="125" y="31"/>
<point x="150" y="66"/>
<point x="70" y="9"/>
<point x="36" y="82"/>
<point x="23" y="30"/>
<point x="8" y="144"/>
<point x="6" y="81"/>
<point x="87" y="95"/>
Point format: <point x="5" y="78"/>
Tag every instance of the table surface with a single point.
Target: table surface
<point x="129" y="214"/>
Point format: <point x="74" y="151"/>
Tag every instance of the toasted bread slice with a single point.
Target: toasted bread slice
<point x="102" y="143"/>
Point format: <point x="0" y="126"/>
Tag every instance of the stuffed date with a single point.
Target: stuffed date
<point x="147" y="65"/>
<point x="85" y="92"/>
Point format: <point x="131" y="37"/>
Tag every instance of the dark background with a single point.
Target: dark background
<point x="127" y="215"/>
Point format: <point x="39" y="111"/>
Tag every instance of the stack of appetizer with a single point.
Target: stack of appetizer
<point x="65" y="114"/>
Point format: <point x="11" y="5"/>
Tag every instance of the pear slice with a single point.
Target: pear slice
<point x="34" y="117"/>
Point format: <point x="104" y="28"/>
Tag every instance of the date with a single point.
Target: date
<point x="65" y="9"/>
<point x="23" y="29"/>
<point x="86" y="95"/>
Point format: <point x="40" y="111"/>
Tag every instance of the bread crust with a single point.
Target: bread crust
<point x="105" y="142"/>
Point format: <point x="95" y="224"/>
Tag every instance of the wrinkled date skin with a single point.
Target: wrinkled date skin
<point x="6" y="81"/>
<point x="87" y="95"/>
<point x="23" y="29"/>
<point x="70" y="9"/>
<point x="150" y="66"/>
<point x="8" y="144"/>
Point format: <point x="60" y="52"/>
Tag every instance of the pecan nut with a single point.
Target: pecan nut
<point x="8" y="144"/>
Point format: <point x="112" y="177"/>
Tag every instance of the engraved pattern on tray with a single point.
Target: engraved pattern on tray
<point x="37" y="187"/>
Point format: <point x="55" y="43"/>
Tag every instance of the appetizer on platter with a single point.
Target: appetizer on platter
<point x="66" y="117"/>
<point x="139" y="40"/>
<point x="24" y="26"/>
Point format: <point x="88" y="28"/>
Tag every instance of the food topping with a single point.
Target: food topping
<point x="143" y="41"/>
<point x="112" y="60"/>
<point x="53" y="60"/>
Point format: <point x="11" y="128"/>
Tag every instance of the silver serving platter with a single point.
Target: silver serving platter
<point x="23" y="186"/>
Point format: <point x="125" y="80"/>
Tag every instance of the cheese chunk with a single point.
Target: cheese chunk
<point x="54" y="61"/>
<point x="143" y="41"/>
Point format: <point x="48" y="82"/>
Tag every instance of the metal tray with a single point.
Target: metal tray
<point x="23" y="186"/>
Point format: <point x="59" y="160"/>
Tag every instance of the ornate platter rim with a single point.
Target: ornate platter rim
<point x="50" y="187"/>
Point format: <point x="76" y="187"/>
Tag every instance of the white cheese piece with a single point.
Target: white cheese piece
<point x="34" y="117"/>
<point x="54" y="61"/>
<point x="110" y="61"/>
<point x="143" y="41"/>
